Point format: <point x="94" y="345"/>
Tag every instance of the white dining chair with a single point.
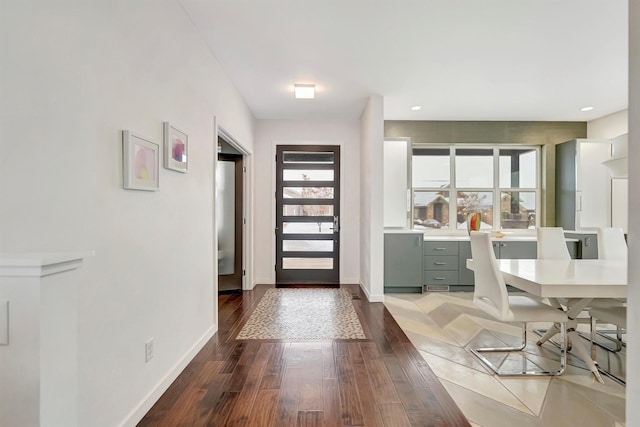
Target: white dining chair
<point x="616" y="316"/>
<point x="611" y="243"/>
<point x="491" y="296"/>
<point x="552" y="244"/>
<point x="611" y="315"/>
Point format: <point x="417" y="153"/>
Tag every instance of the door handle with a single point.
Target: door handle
<point x="336" y="225"/>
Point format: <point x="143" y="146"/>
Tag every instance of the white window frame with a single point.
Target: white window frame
<point x="496" y="189"/>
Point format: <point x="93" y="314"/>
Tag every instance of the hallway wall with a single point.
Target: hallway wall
<point x="74" y="75"/>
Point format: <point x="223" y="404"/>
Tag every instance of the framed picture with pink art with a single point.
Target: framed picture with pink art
<point x="140" y="162"/>
<point x="175" y="149"/>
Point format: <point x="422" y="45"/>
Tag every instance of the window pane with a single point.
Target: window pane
<point x="308" y="245"/>
<point x="518" y="209"/>
<point x="307" y="227"/>
<point x="471" y="202"/>
<point x="307" y="174"/>
<point x="430" y="167"/>
<point x="304" y="263"/>
<point x="430" y="209"/>
<point x="307" y="210"/>
<point x="474" y="168"/>
<point x="518" y="168"/>
<point x="307" y="157"/>
<point x="307" y="192"/>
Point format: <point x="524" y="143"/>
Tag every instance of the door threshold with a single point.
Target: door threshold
<point x="307" y="285"/>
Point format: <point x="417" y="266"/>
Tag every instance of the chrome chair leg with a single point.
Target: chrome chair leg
<point x="563" y="355"/>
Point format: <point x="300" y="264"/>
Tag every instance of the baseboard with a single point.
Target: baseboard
<point x="146" y="404"/>
<point x="370" y="297"/>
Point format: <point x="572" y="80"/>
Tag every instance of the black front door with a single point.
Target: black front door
<point x="307" y="214"/>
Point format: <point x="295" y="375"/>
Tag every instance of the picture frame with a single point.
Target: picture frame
<point x="176" y="145"/>
<point x="140" y="162"/>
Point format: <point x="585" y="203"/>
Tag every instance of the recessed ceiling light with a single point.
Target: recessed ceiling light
<point x="305" y="91"/>
<point x="586" y="108"/>
<point x="416" y="107"/>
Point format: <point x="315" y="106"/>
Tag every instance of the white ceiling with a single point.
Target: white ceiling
<point x="459" y="59"/>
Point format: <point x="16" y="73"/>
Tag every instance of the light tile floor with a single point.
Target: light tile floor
<point x="443" y="326"/>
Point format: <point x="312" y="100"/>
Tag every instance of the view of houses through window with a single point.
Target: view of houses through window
<point x="499" y="182"/>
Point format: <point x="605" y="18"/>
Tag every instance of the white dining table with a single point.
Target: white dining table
<point x="578" y="280"/>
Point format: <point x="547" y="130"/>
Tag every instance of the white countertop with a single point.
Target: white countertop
<point x="435" y="237"/>
<point x="465" y="238"/>
<point x="402" y="231"/>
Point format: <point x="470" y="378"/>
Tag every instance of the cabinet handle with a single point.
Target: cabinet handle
<point x="503" y="244"/>
<point x="418" y="241"/>
<point x="439" y="278"/>
<point x="440" y="263"/>
<point x="440" y="249"/>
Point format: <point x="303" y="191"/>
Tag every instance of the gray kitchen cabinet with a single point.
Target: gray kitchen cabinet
<point x="515" y="250"/>
<point x="587" y="247"/>
<point x="414" y="265"/>
<point x="441" y="265"/>
<point x="403" y="256"/>
<point x="465" y="276"/>
<point x="502" y="249"/>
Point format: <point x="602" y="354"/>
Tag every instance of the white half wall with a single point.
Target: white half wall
<point x="270" y="133"/>
<point x="372" y="199"/>
<point x="74" y="75"/>
<point x="633" y="297"/>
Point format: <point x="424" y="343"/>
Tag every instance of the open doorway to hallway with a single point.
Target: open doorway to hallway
<point x="230" y="216"/>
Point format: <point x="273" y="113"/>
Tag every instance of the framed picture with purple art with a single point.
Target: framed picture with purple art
<point x="140" y="162"/>
<point x="175" y="149"/>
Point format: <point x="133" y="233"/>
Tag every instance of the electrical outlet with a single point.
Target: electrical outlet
<point x="148" y="350"/>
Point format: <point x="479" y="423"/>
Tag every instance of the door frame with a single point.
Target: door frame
<point x="238" y="218"/>
<point x="247" y="208"/>
<point x="274" y="144"/>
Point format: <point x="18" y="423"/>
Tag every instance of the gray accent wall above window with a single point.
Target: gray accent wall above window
<point x="452" y="132"/>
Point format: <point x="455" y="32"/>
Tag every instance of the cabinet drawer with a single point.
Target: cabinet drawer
<point x="440" y="263"/>
<point x="440" y="278"/>
<point x="441" y="248"/>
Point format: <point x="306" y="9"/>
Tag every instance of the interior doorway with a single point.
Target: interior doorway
<point x="230" y="217"/>
<point x="307" y="215"/>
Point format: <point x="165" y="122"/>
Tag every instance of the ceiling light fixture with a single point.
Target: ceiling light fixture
<point x="416" y="107"/>
<point x="305" y="91"/>
<point x="587" y="108"/>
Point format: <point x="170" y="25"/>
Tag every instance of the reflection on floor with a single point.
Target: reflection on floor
<point x="443" y="326"/>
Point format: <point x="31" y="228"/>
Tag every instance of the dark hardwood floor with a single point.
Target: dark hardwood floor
<point x="380" y="381"/>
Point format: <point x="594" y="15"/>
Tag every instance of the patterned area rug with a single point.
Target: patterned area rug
<point x="303" y="314"/>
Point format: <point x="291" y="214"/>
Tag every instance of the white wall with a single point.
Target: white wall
<point x="396" y="183"/>
<point x="272" y="132"/>
<point x="633" y="297"/>
<point x="610" y="126"/>
<point x="75" y="74"/>
<point x="371" y="201"/>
